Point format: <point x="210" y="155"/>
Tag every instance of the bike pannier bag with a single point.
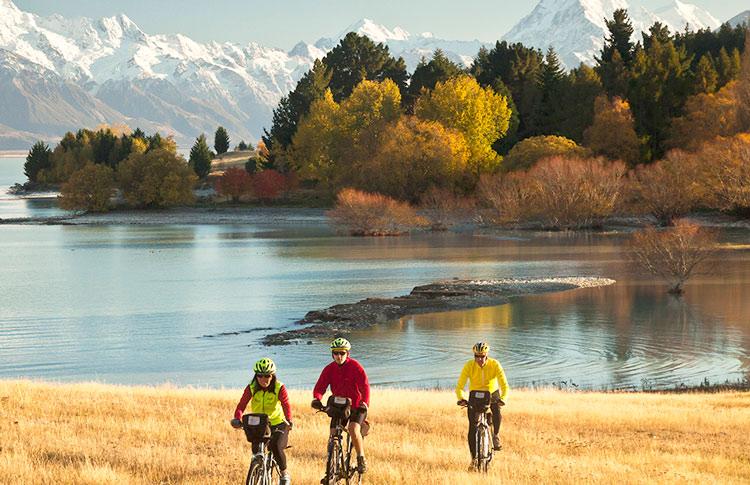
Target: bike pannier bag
<point x="256" y="426"/>
<point x="479" y="399"/>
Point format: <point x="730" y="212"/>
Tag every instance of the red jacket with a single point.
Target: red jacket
<point x="348" y="379"/>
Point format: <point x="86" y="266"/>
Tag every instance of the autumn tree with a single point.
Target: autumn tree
<point x="37" y="159"/>
<point x="234" y="183"/>
<point x="88" y="189"/>
<point x="415" y="155"/>
<point x="673" y="254"/>
<point x="157" y="178"/>
<point x="221" y="140"/>
<point x="707" y="116"/>
<point x="478" y="113"/>
<point x="529" y="151"/>
<point x="200" y="157"/>
<point x="612" y="134"/>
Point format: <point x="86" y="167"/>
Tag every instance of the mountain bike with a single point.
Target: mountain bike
<point x="263" y="469"/>
<point x="479" y="404"/>
<point x="339" y="467"/>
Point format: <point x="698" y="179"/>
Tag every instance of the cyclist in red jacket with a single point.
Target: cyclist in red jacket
<point x="347" y="378"/>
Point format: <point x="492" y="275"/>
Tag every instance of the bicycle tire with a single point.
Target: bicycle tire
<point x="484" y="451"/>
<point x="334" y="462"/>
<point x="254" y="474"/>
<point x="351" y="470"/>
<point x="274" y="474"/>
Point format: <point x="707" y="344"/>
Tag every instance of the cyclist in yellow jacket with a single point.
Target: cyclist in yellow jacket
<point x="483" y="374"/>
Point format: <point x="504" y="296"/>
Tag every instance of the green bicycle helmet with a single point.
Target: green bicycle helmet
<point x="264" y="366"/>
<point x="341" y="344"/>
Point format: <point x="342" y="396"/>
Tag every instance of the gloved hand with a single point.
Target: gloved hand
<point x="362" y="406"/>
<point x="236" y="423"/>
<point x="291" y="425"/>
<point x="316" y="404"/>
<point x="502" y="403"/>
<point x="462" y="402"/>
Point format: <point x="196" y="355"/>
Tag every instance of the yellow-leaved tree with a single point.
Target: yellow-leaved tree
<point x="526" y="153"/>
<point x="415" y="155"/>
<point x="335" y="141"/>
<point x="612" y="133"/>
<point x="479" y="114"/>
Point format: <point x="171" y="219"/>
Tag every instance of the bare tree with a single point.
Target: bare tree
<point x="673" y="254"/>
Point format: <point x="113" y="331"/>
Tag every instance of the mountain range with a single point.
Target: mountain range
<point x="59" y="74"/>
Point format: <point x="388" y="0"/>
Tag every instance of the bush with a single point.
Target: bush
<point x="560" y="193"/>
<point x="727" y="162"/>
<point x="442" y="208"/>
<point x="368" y="214"/>
<point x="88" y="189"/>
<point x="528" y="152"/>
<point x="157" y="178"/>
<point x="673" y="254"/>
<point x="234" y="183"/>
<point x="269" y="184"/>
<point x="667" y="189"/>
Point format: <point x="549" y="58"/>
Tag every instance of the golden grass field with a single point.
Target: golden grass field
<point x="101" y="434"/>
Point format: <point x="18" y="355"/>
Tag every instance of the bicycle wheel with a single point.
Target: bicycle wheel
<point x="483" y="445"/>
<point x="335" y="462"/>
<point x="353" y="477"/>
<point x="274" y="474"/>
<point x="255" y="474"/>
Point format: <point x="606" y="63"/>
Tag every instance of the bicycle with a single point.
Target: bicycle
<point x="339" y="468"/>
<point x="263" y="469"/>
<point x="479" y="403"/>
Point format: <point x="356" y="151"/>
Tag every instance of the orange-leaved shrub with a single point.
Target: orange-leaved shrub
<point x="269" y="184"/>
<point x="88" y="189"/>
<point x="673" y="254"/>
<point x="234" y="183"/>
<point x="727" y="162"/>
<point x="667" y="189"/>
<point x="370" y="214"/>
<point x="557" y="192"/>
<point x="442" y="208"/>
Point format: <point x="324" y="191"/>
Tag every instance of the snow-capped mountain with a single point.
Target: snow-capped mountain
<point x="742" y="18"/>
<point x="576" y="28"/>
<point x="58" y="74"/>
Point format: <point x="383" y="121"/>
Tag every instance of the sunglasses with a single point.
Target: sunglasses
<point x="262" y="376"/>
<point x="339" y="352"/>
<point x="476" y="356"/>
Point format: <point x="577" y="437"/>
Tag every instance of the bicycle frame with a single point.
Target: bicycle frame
<point x="484" y="449"/>
<point x="262" y="466"/>
<point x="339" y="461"/>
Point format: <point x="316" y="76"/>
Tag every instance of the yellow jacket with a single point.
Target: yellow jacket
<point x="486" y="378"/>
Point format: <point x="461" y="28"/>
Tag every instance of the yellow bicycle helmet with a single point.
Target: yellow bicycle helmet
<point x="341" y="344"/>
<point x="264" y="366"/>
<point x="481" y="348"/>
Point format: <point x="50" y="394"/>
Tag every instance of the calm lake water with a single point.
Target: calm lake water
<point x="133" y="304"/>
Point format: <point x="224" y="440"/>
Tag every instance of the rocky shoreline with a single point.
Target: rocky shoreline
<point x="440" y="296"/>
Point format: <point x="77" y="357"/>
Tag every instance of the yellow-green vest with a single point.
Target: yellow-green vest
<point x="267" y="402"/>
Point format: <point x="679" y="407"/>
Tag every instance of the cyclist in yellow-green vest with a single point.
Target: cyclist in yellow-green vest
<point x="483" y="374"/>
<point x="268" y="396"/>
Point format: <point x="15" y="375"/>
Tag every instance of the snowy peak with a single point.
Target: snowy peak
<point x="376" y="32"/>
<point x="739" y="19"/>
<point x="576" y="28"/>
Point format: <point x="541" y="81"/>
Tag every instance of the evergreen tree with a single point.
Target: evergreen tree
<point x="617" y="54"/>
<point x="583" y="87"/>
<point x="241" y="146"/>
<point x="552" y="86"/>
<point x="357" y="58"/>
<point x="427" y="75"/>
<point x="706" y="77"/>
<point x="37" y="159"/>
<point x="200" y="157"/>
<point x="296" y="104"/>
<point x="729" y="66"/>
<point x="657" y="32"/>
<point x="518" y="67"/>
<point x="221" y="140"/>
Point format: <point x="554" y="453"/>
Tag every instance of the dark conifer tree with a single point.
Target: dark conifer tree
<point x="221" y="140"/>
<point x="200" y="157"/>
<point x="37" y="159"/>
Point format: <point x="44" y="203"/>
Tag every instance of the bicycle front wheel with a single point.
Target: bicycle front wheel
<point x="255" y="474"/>
<point x="334" y="465"/>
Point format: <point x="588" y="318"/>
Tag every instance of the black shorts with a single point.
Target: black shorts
<point x="357" y="415"/>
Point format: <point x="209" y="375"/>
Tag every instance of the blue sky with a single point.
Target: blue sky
<point x="283" y="23"/>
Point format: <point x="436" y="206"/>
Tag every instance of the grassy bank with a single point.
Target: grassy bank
<point x="97" y="434"/>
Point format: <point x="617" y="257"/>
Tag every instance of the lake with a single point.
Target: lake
<point x="143" y="304"/>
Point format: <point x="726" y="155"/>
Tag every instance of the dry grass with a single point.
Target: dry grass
<point x="98" y="434"/>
